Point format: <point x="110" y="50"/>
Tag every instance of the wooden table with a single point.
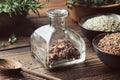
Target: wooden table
<point x="91" y="69"/>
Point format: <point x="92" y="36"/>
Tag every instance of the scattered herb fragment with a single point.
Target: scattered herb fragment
<point x="12" y="39"/>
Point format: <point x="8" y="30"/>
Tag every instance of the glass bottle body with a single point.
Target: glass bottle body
<point x="55" y="45"/>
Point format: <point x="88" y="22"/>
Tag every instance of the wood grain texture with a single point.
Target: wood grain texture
<point x="91" y="69"/>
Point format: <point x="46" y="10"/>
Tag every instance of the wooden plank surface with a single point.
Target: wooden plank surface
<point x="91" y="69"/>
<point x="21" y="42"/>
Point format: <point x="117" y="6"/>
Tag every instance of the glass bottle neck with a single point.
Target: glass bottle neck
<point x="57" y="17"/>
<point x="57" y="21"/>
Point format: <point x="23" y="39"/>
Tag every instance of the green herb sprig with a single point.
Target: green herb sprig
<point x="12" y="39"/>
<point x="18" y="6"/>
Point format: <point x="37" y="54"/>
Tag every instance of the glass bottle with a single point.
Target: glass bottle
<point x="55" y="45"/>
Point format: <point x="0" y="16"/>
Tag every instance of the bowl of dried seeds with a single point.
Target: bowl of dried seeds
<point x="99" y="23"/>
<point x="107" y="48"/>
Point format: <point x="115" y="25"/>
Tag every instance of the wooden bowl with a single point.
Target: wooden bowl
<point x="79" y="11"/>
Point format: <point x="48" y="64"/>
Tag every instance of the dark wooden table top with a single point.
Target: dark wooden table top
<point x="91" y="69"/>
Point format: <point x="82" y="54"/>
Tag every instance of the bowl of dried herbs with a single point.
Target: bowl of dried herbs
<point x="107" y="48"/>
